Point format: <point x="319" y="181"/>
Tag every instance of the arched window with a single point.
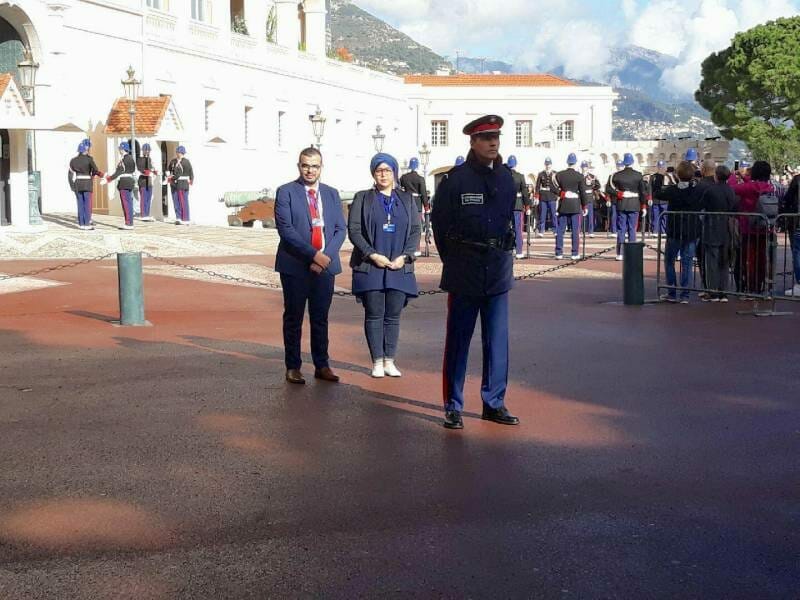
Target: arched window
<point x="604" y="158"/>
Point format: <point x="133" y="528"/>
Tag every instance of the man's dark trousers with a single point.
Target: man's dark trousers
<point x="317" y="290"/>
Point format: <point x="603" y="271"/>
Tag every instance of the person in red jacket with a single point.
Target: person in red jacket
<point x="751" y="264"/>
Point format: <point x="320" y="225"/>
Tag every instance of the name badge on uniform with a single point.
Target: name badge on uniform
<point x="471" y="199"/>
<point x="317" y="223"/>
<point x="389" y="227"/>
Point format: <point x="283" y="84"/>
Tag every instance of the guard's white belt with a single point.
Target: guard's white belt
<point x="629" y="195"/>
<point x="184" y="178"/>
<point x="128" y="175"/>
<point x="570" y="195"/>
<point x="83" y="176"/>
<point x="415" y="195"/>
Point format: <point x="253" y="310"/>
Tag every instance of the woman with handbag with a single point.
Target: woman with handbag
<point x="384" y="229"/>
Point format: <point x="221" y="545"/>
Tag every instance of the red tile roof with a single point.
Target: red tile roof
<point x="5" y="79"/>
<point x="150" y="112"/>
<point x="484" y="80"/>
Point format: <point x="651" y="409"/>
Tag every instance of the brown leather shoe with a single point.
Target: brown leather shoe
<point x="294" y="376"/>
<point x="326" y="374"/>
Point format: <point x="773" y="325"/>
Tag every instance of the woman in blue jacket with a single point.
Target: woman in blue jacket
<point x="384" y="229"/>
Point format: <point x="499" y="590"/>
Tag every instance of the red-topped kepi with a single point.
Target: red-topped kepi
<point x="485" y="124"/>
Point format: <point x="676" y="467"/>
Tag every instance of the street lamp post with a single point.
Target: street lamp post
<point x="27" y="69"/>
<point x="131" y="89"/>
<point x="424" y="159"/>
<point x="378" y="138"/>
<point x="318" y="126"/>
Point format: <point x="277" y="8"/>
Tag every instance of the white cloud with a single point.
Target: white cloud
<point x="666" y="26"/>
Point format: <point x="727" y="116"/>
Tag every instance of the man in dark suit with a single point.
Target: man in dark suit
<point x="311" y="226"/>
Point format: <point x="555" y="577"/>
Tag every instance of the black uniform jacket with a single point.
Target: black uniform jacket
<point x="632" y="184"/>
<point x="414" y="183"/>
<point x="181" y="172"/>
<point x="83" y="166"/>
<point x="546" y="189"/>
<point x="573" y="191"/>
<point x="124" y="173"/>
<point x="523" y="200"/>
<point x="144" y="164"/>
<point x="472" y="222"/>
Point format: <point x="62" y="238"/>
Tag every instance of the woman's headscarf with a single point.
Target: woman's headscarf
<point x="390" y="160"/>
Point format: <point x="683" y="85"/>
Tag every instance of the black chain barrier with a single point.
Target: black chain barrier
<point x="60" y="267"/>
<point x="277" y="286"/>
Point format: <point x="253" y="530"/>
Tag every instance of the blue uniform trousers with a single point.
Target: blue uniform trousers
<point x="627" y="223"/>
<point x="180" y="200"/>
<point x="656" y="222"/>
<point x="145" y="197"/>
<point x="545" y="207"/>
<point x="612" y="223"/>
<point x="519" y="218"/>
<point x="575" y="223"/>
<point x="84" y="207"/>
<point x="462" y="313"/>
<point x="126" y="198"/>
<point x="317" y="290"/>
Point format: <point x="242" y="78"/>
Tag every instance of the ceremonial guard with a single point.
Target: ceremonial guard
<point x="545" y="194"/>
<point x="180" y="175"/>
<point x="414" y="183"/>
<point x="659" y="180"/>
<point x="611" y="201"/>
<point x="147" y="174"/>
<point x="82" y="170"/>
<point x="126" y="168"/>
<point x="522" y="204"/>
<point x="691" y="157"/>
<point x="591" y="195"/>
<point x="631" y="199"/>
<point x="571" y="205"/>
<point x="472" y="222"/>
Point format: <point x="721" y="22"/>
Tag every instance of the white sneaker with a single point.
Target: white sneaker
<point x="520" y="256"/>
<point x="127" y="227"/>
<point x="186" y="222"/>
<point x="417" y="253"/>
<point x="591" y="235"/>
<point x="539" y="234"/>
<point x="559" y="256"/>
<point x="619" y="257"/>
<point x="377" y="369"/>
<point x="575" y="257"/>
<point x="793" y="291"/>
<point x="390" y="369"/>
<point x="148" y="219"/>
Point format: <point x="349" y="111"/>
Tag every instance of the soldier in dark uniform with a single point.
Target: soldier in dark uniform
<point x="571" y="205"/>
<point x="611" y="200"/>
<point x="658" y="180"/>
<point x="545" y="195"/>
<point x="472" y="221"/>
<point x="632" y="197"/>
<point x="147" y="173"/>
<point x="414" y="183"/>
<point x="181" y="177"/>
<point x="522" y="203"/>
<point x="126" y="168"/>
<point x="82" y="170"/>
<point x="591" y="195"/>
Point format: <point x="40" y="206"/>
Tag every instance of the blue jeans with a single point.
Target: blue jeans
<point x="686" y="250"/>
<point x="382" y="310"/>
<point x="794" y="239"/>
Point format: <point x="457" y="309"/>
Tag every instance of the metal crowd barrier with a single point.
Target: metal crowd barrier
<point x="787" y="259"/>
<point x="724" y="254"/>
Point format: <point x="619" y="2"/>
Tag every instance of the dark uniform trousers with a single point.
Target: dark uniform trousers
<point x="476" y="204"/>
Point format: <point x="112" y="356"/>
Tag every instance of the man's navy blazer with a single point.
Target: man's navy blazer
<point x="293" y="220"/>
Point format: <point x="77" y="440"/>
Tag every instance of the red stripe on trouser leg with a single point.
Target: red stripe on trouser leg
<point x="182" y="200"/>
<point x="445" y="386"/>
<point x="123" y="197"/>
<point x="89" y="207"/>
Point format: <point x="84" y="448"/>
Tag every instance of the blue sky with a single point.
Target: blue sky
<point x="580" y="36"/>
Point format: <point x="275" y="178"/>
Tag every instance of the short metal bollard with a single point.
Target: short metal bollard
<point x="633" y="273"/>
<point x="131" y="289"/>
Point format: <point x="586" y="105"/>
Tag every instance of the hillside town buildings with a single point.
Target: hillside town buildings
<point x="236" y="82"/>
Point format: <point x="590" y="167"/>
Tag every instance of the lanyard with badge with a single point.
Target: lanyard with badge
<point x="388" y="205"/>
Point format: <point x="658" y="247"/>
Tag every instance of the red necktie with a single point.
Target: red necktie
<point x="316" y="230"/>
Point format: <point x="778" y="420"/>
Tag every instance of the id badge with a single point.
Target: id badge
<point x="317" y="223"/>
<point x="389" y="227"/>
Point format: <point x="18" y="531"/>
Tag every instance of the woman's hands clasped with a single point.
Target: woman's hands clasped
<point x="383" y="262"/>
